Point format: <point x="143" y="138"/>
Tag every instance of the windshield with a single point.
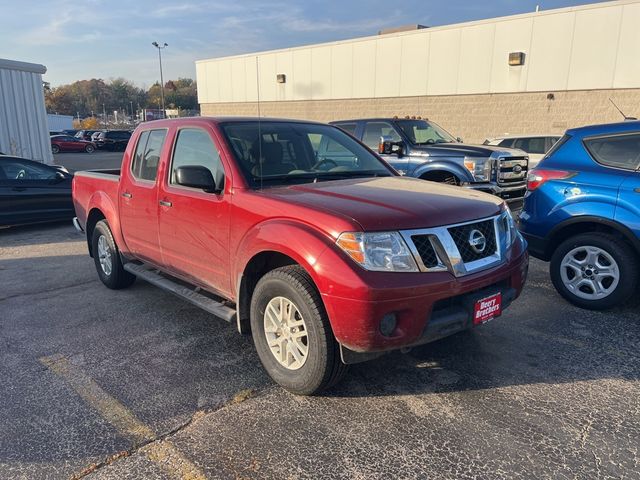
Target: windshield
<point x="279" y="153"/>
<point x="421" y="132"/>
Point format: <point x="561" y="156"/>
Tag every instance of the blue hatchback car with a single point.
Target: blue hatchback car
<point x="582" y="213"/>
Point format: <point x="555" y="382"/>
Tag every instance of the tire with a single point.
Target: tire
<point x="322" y="366"/>
<point x="55" y="149"/>
<point x="597" y="260"/>
<point x="89" y="149"/>
<point x="107" y="258"/>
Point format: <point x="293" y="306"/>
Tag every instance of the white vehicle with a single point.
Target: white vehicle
<point x="535" y="145"/>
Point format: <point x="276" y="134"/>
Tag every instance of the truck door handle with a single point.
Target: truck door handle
<point x="127" y="195"/>
<point x="165" y="203"/>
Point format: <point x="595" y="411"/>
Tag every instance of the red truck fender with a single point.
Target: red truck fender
<point x="271" y="244"/>
<point x="101" y="205"/>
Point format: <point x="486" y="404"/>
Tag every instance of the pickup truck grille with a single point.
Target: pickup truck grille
<point x="462" y="237"/>
<point x="461" y="248"/>
<point x="425" y="250"/>
<point x="512" y="171"/>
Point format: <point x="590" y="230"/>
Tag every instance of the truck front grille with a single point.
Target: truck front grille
<point x="463" y="236"/>
<point x="512" y="171"/>
<point x="425" y="250"/>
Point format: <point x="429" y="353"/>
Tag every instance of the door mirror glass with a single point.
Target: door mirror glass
<point x="196" y="176"/>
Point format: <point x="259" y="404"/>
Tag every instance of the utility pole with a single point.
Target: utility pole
<point x="155" y="44"/>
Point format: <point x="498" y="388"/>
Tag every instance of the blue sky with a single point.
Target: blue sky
<point x="82" y="39"/>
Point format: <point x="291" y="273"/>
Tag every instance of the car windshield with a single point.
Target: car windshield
<point x="421" y="132"/>
<point x="279" y="153"/>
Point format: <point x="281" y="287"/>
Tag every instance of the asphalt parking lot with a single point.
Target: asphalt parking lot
<point x="139" y="384"/>
<point x="88" y="161"/>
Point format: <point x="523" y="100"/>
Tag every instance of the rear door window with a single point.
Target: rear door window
<point x="617" y="151"/>
<point x="147" y="155"/>
<point x="531" y="145"/>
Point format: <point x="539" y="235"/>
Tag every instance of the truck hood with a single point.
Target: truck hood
<point x="464" y="150"/>
<point x="390" y="203"/>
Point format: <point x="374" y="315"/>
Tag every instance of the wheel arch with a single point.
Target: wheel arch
<point x="436" y="168"/>
<point x="587" y="224"/>
<point x="270" y="245"/>
<point x="95" y="215"/>
<point x="258" y="266"/>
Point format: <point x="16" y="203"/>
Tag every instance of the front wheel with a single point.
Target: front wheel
<point x="292" y="334"/>
<point x="594" y="270"/>
<point x="89" y="149"/>
<point x="107" y="258"/>
<point x="55" y="149"/>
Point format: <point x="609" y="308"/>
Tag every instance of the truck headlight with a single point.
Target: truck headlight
<point x="378" y="251"/>
<point x="480" y="168"/>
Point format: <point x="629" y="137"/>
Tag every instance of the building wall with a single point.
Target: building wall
<point x="23" y="118"/>
<point x="588" y="47"/>
<point x="472" y="117"/>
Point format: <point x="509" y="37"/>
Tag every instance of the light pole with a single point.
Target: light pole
<point x="155" y="44"/>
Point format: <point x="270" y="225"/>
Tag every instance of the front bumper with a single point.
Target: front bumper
<point x="427" y="306"/>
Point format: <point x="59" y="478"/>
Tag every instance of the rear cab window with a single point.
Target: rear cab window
<point x="616" y="151"/>
<point x="144" y="165"/>
<point x="350" y="128"/>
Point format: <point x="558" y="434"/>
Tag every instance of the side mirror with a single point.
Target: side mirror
<point x="388" y="147"/>
<point x="196" y="176"/>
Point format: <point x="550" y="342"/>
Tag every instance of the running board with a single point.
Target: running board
<point x="190" y="295"/>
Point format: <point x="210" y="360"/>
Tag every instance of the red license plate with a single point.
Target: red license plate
<point x="487" y="308"/>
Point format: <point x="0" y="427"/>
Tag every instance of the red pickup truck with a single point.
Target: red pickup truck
<point x="326" y="261"/>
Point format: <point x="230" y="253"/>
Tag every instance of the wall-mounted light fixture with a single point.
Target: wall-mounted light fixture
<point x="516" y="58"/>
<point x="281" y="78"/>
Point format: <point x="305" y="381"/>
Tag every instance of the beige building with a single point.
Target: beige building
<point x="540" y="72"/>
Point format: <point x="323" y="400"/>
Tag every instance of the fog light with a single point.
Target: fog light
<point x="388" y="324"/>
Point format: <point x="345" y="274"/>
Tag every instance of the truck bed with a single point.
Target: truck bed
<point x="88" y="184"/>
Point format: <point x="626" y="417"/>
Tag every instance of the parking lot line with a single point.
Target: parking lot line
<point x="162" y="452"/>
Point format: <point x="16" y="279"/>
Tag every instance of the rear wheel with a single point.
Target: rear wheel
<point x="107" y="258"/>
<point x="89" y="149"/>
<point x="594" y="270"/>
<point x="292" y="334"/>
<point x="55" y="149"/>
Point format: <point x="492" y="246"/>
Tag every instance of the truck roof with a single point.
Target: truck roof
<point x="228" y="119"/>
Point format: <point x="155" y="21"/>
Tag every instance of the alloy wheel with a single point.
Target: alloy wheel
<point x="286" y="333"/>
<point x="104" y="255"/>
<point x="589" y="272"/>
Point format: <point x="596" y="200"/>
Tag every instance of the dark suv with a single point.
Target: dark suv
<point x="420" y="148"/>
<point x="113" y="140"/>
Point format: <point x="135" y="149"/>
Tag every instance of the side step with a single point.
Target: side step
<point x="190" y="295"/>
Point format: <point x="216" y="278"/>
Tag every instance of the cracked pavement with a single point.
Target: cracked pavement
<point x="545" y="391"/>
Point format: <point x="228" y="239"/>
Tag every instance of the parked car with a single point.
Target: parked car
<point x="85" y="134"/>
<point x="420" y="148"/>
<point x="66" y="143"/>
<point x="32" y="192"/>
<point x="325" y="264"/>
<point x="536" y="146"/>
<point x="113" y="139"/>
<point x="582" y="213"/>
<point x="70" y="132"/>
<point x="94" y="135"/>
